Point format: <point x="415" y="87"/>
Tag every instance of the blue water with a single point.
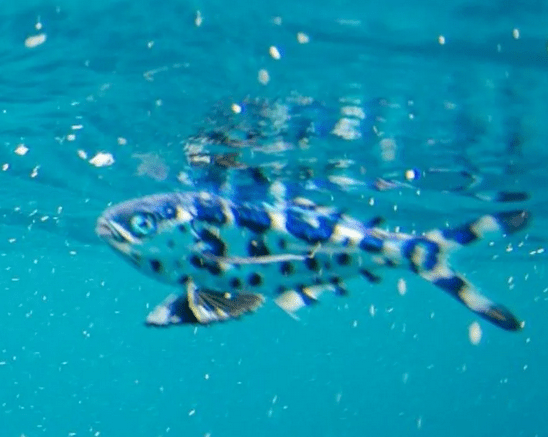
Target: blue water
<point x="135" y="79"/>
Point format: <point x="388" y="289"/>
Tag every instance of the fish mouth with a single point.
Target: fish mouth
<point x="112" y="232"/>
<point x="104" y="230"/>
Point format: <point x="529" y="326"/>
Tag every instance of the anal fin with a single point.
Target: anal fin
<point x="293" y="300"/>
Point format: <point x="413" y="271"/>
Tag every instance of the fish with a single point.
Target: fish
<point x="226" y="256"/>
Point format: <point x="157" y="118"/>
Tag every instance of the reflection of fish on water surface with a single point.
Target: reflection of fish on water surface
<point x="226" y="253"/>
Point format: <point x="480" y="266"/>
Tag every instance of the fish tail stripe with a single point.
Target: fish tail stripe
<point x="507" y="222"/>
<point x="469" y="296"/>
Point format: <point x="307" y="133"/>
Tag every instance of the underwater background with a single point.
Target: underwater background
<point x="99" y="102"/>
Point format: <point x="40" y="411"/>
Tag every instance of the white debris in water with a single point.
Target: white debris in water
<point x="402" y="286"/>
<point x="35" y="40"/>
<point x="515" y="33"/>
<point x="263" y="76"/>
<point x="21" y="149"/>
<point x="347" y="129"/>
<point x="71" y="137"/>
<point x="303" y="38"/>
<point x="353" y="111"/>
<point x="441" y="40"/>
<point x="274" y="52"/>
<point x="277" y="21"/>
<point x="82" y="154"/>
<point x="102" y="159"/>
<point x="198" y="19"/>
<point x="372" y="310"/>
<point x="236" y="108"/>
<point x="121" y="141"/>
<point x="474" y="333"/>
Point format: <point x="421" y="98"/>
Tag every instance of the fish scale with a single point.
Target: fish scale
<point x="227" y="255"/>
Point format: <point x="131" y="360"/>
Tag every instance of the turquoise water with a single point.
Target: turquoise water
<point x="135" y="80"/>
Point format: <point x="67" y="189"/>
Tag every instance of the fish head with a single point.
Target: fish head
<point x="141" y="230"/>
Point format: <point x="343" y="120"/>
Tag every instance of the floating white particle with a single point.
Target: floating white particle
<point x="277" y="21"/>
<point x="515" y="33"/>
<point x="274" y="52"/>
<point x="303" y="38"/>
<point x="35" y="40"/>
<point x="121" y="141"/>
<point x="263" y="76"/>
<point x="206" y="376"/>
<point x="77" y="126"/>
<point x="82" y="154"/>
<point x="34" y="172"/>
<point x="405" y="378"/>
<point x="71" y="137"/>
<point x="372" y="310"/>
<point x="21" y="149"/>
<point x="236" y="108"/>
<point x="150" y="44"/>
<point x="419" y="423"/>
<point x="355" y="324"/>
<point x="402" y="286"/>
<point x="198" y="19"/>
<point x="441" y="40"/>
<point x="38" y="25"/>
<point x="192" y="412"/>
<point x="102" y="159"/>
<point x="474" y="333"/>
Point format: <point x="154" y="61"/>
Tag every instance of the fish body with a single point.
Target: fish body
<point x="226" y="255"/>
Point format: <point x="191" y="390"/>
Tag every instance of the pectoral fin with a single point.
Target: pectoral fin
<point x="198" y="306"/>
<point x="213" y="306"/>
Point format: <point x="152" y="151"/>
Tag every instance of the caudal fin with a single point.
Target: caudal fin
<point x="427" y="256"/>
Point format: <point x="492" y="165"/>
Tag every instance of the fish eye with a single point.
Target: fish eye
<point x="169" y="212"/>
<point x="142" y="224"/>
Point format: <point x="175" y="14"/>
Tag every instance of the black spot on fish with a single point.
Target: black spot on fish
<point x="196" y="261"/>
<point x="182" y="229"/>
<point x="254" y="279"/>
<point x="235" y="283"/>
<point x="286" y="268"/>
<point x="327" y="265"/>
<point x="183" y="279"/>
<point x="282" y="243"/>
<point x="370" y="276"/>
<point x="214" y="269"/>
<point x="170" y="244"/>
<point x="343" y="259"/>
<point x="216" y="245"/>
<point x="389" y="263"/>
<point x="312" y="264"/>
<point x="257" y="248"/>
<point x="335" y="280"/>
<point x="155" y="265"/>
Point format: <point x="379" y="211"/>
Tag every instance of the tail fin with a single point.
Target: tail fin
<point x="428" y="258"/>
